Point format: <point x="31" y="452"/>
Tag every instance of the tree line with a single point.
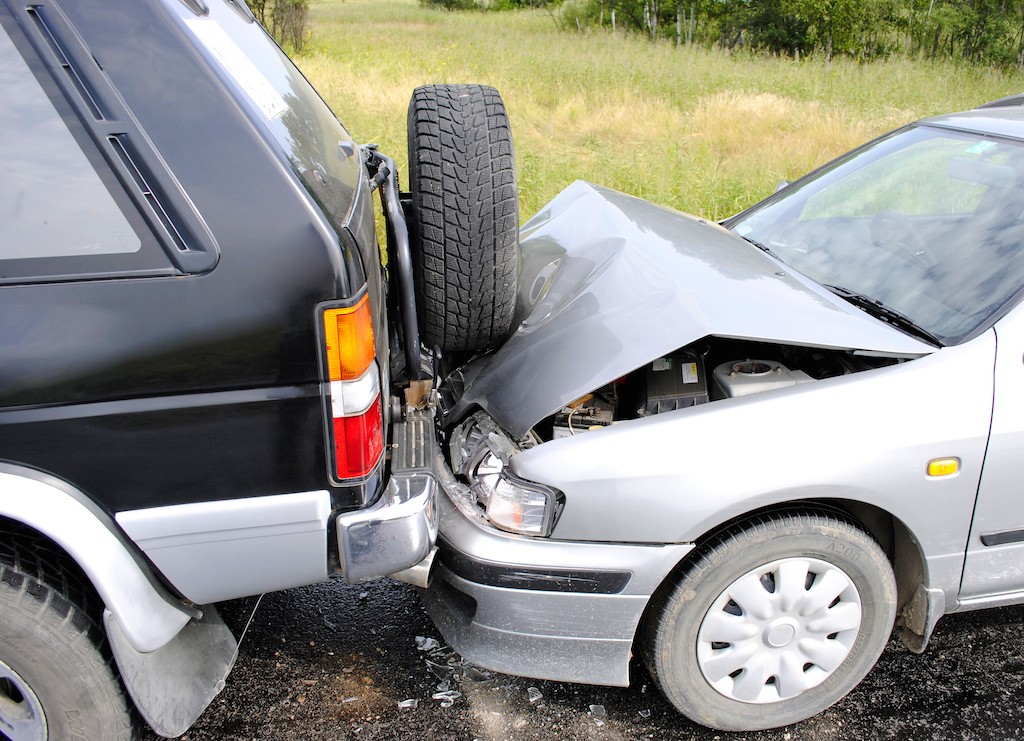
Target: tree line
<point x="975" y="31"/>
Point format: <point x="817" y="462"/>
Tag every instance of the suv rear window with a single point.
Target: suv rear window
<point x="52" y="201"/>
<point x="64" y="214"/>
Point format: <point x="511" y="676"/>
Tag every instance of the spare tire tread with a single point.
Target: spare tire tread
<point x="465" y="217"/>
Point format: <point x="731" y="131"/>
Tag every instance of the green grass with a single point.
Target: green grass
<point x="700" y="130"/>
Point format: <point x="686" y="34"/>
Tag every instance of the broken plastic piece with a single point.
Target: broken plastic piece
<point x="441" y="671"/>
<point x="645" y="713"/>
<point x="426" y="644"/>
<point x="479" y="676"/>
<point x="447" y="698"/>
<point x="535" y="695"/>
<point x="409" y="704"/>
<point x="598" y="713"/>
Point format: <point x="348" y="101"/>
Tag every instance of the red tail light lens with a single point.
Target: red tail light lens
<point x="358" y="442"/>
<point x="354" y="386"/>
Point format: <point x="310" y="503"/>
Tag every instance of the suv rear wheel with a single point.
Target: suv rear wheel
<point x="465" y="216"/>
<point x="55" y="681"/>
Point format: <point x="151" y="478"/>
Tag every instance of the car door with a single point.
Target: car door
<point x="995" y="550"/>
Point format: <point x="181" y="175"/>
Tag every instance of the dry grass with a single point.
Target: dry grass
<point x="696" y="129"/>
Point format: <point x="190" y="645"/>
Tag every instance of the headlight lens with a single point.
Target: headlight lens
<point x="521" y="508"/>
<point x="511" y="503"/>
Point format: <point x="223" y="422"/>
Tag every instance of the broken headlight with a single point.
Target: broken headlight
<point x="511" y="503"/>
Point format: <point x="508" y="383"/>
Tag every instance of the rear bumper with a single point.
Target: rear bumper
<point x="399" y="531"/>
<point x="559" y="610"/>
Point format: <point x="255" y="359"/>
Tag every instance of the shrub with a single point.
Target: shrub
<point x="288" y="22"/>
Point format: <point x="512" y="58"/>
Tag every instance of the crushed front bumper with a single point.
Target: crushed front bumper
<point x="536" y="607"/>
<point x="398" y="532"/>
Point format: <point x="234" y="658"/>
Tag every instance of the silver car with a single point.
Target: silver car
<point x="748" y="451"/>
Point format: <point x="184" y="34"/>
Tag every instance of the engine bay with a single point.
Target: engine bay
<point x="708" y="371"/>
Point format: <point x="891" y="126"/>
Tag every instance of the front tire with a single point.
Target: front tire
<point x="56" y="682"/>
<point x="774" y="622"/>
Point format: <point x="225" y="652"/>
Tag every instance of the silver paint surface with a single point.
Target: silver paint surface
<point x="249" y="546"/>
<point x="575" y="637"/>
<point x="610" y="282"/>
<point x="147" y="614"/>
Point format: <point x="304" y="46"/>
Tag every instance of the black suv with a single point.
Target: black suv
<point x="213" y="381"/>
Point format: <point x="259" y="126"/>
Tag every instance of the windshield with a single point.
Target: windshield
<point x="927" y="222"/>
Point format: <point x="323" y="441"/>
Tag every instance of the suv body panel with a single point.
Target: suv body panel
<point x="259" y="544"/>
<point x="206" y="393"/>
<point x="212" y="379"/>
<point x="165" y="410"/>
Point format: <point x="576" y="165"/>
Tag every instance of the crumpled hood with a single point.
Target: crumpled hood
<point x="610" y="282"/>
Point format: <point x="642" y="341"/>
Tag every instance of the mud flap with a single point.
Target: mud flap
<point x="173" y="685"/>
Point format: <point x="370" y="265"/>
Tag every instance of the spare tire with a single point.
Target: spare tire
<point x="464" y="216"/>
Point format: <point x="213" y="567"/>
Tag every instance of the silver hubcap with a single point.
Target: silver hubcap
<point x="21" y="714"/>
<point x="779" y="630"/>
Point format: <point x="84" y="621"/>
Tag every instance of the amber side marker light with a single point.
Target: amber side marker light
<point x="943" y="467"/>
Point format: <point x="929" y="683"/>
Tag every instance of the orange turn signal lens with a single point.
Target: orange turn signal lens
<point x="943" y="466"/>
<point x="349" y="340"/>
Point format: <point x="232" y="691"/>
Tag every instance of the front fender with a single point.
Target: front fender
<point x="865" y="437"/>
<point x="147" y="614"/>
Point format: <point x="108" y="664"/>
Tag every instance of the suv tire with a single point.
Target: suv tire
<point x="464" y="216"/>
<point x="56" y="682"/>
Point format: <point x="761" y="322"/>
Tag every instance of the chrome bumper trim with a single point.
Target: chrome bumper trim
<point x="399" y="531"/>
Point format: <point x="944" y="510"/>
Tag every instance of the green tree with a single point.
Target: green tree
<point x="830" y="23"/>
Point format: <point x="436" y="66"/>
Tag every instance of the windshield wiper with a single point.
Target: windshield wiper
<point x="877" y="309"/>
<point x="759" y="246"/>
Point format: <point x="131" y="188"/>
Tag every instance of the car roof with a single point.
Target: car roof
<point x="1002" y="117"/>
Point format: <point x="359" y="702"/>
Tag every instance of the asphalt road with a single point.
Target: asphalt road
<point x="336" y="661"/>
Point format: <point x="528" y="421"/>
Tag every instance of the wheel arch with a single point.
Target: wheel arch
<point x="147" y="613"/>
<point x="918" y="605"/>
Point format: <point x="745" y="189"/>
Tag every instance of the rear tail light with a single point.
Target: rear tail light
<point x="357" y="428"/>
<point x="349" y="338"/>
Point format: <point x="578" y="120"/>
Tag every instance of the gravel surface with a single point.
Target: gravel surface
<point x="337" y="661"/>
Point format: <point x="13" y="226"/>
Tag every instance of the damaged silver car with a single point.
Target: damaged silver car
<point x="748" y="451"/>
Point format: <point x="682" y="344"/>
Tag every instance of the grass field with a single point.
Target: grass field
<point x="700" y="130"/>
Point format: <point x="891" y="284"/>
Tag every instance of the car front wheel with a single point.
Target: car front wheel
<point x="775" y="621"/>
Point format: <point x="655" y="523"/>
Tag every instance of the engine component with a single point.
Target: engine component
<point x="674" y="382"/>
<point x="586" y="413"/>
<point x="742" y="377"/>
